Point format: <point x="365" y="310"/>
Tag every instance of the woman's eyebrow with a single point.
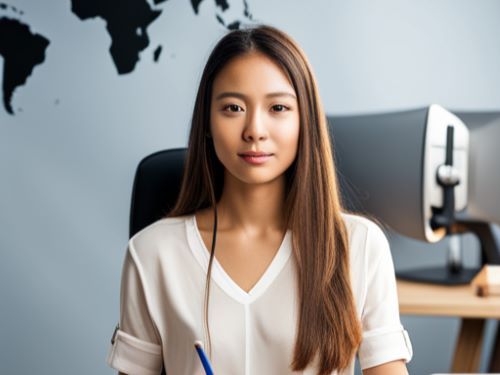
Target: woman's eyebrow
<point x="281" y="93"/>
<point x="239" y="95"/>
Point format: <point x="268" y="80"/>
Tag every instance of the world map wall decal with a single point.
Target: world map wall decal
<point x="127" y="22"/>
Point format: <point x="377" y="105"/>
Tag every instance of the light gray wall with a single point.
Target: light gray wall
<point x="67" y="160"/>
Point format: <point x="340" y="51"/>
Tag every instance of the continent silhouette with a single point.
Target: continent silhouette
<point x="22" y="50"/>
<point x="126" y="22"/>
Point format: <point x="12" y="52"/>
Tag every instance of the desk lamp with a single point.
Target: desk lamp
<point x="425" y="173"/>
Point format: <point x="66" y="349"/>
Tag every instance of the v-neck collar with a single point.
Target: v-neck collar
<point x="220" y="276"/>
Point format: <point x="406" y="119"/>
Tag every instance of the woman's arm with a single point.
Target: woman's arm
<point x="386" y="346"/>
<point x="389" y="368"/>
<point x="136" y="344"/>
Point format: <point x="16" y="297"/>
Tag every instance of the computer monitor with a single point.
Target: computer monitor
<point x="425" y="173"/>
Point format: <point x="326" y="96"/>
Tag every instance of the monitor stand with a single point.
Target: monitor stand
<point x="453" y="273"/>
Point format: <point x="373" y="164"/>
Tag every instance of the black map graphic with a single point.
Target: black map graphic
<point x="127" y="27"/>
<point x="127" y="22"/>
<point x="21" y="50"/>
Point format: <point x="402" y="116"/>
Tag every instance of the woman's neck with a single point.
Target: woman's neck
<point x="252" y="208"/>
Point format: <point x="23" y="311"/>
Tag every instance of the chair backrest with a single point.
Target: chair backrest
<point x="157" y="184"/>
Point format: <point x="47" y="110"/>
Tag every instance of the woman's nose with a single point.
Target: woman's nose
<point x="255" y="127"/>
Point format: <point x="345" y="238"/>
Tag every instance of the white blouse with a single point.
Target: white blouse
<point x="162" y="294"/>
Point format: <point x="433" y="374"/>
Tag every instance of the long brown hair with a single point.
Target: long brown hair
<point x="328" y="326"/>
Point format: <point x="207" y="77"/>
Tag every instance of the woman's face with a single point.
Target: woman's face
<point x="254" y="109"/>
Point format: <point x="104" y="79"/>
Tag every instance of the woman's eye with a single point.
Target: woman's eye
<point x="279" y="108"/>
<point x="233" y="108"/>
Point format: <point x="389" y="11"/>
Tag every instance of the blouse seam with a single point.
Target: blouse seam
<point x="137" y="343"/>
<point x="383" y="331"/>
<point x="247" y="340"/>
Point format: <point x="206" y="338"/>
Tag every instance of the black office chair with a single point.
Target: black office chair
<point x="157" y="184"/>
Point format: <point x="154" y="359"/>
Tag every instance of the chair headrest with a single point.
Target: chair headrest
<point x="156" y="187"/>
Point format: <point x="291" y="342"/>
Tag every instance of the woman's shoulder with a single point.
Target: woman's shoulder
<point x="158" y="233"/>
<point x="365" y="235"/>
<point x="166" y="223"/>
<point x="360" y="225"/>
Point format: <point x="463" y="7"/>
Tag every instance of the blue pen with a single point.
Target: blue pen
<point x="203" y="357"/>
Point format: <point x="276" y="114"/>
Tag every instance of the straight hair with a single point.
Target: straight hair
<point x="328" y="329"/>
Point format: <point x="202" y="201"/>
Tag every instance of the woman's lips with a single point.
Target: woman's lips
<point x="256" y="159"/>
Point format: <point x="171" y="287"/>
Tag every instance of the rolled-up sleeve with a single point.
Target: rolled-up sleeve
<point x="136" y="345"/>
<point x="384" y="338"/>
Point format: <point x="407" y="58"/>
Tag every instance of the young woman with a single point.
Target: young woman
<point x="258" y="260"/>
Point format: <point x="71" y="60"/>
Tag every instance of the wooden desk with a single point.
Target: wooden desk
<point x="455" y="301"/>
